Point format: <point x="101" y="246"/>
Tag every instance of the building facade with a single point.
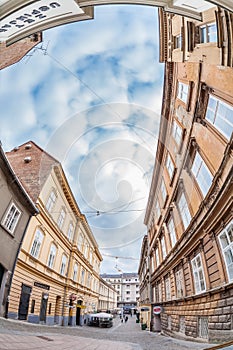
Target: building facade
<point x="127" y="287"/>
<point x="56" y="278"/>
<point x="144" y="274"/>
<point x="107" y="297"/>
<point x="16" y="209"/>
<point x="189" y="212"/>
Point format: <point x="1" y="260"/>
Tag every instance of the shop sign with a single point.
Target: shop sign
<point x="36" y="17"/>
<point x="41" y="285"/>
<point x="81" y="306"/>
<point x="157" y="310"/>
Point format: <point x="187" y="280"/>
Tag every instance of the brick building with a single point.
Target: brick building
<point x="189" y="212"/>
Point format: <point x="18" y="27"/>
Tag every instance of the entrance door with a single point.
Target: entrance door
<point x="57" y="310"/>
<point x="43" y="307"/>
<point x="78" y="316"/>
<point x="24" y="302"/>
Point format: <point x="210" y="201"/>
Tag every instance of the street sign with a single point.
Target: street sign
<point x="157" y="310"/>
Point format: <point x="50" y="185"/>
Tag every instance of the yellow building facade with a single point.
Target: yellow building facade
<point x="56" y="279"/>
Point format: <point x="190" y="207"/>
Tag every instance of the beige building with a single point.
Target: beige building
<point x="56" y="279"/>
<point x="107" y="297"/>
<point x="189" y="212"/>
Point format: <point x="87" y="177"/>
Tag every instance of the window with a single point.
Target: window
<point x="203" y="327"/>
<point x="168" y="288"/>
<point x="183" y="91"/>
<point x="128" y="292"/>
<point x="208" y="33"/>
<point x="170" y="166"/>
<point x="226" y="241"/>
<point x="51" y="201"/>
<point x="70" y="231"/>
<point x="82" y="276"/>
<point x="61" y="218"/>
<point x="63" y="265"/>
<point x="36" y="243"/>
<point x="198" y="274"/>
<point x="177" y="132"/>
<point x="172" y="231"/>
<point x="157" y="257"/>
<point x="220" y="114"/>
<point x="80" y="242"/>
<point x="12" y="217"/>
<point x="163" y="245"/>
<point x="163" y="190"/>
<point x="52" y="255"/>
<point x="202" y="174"/>
<point x="184" y="210"/>
<point x="182" y="324"/>
<point x="178" y="41"/>
<point x="75" y="272"/>
<point x="157" y="209"/>
<point x="179" y="284"/>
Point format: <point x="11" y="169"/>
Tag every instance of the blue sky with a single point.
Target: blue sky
<point x="93" y="101"/>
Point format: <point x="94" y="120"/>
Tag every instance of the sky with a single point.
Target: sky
<point x="91" y="95"/>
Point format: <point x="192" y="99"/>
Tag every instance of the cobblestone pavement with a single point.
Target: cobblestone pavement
<point x="18" y="335"/>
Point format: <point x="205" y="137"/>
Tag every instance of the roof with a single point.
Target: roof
<point x="15" y="183"/>
<point x="32" y="165"/>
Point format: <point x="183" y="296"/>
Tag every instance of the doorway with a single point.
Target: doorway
<point x="43" y="307"/>
<point x="57" y="314"/>
<point x="24" y="302"/>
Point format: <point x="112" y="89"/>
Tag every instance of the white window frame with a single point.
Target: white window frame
<point x="82" y="276"/>
<point x="52" y="254"/>
<point x="217" y="119"/>
<point x="157" y="257"/>
<point x="183" y="91"/>
<point x="75" y="273"/>
<point x="51" y="201"/>
<point x="202" y="174"/>
<point x="172" y="231"/>
<point x="70" y="231"/>
<point x="163" y="246"/>
<point x="198" y="274"/>
<point x="206" y="34"/>
<point x="157" y="209"/>
<point x="163" y="190"/>
<point x="177" y="132"/>
<point x="168" y="288"/>
<point x="11" y="218"/>
<point x="61" y="218"/>
<point x="178" y="41"/>
<point x="63" y="265"/>
<point x="184" y="210"/>
<point x="179" y="283"/>
<point x="37" y="242"/>
<point x="170" y="166"/>
<point x="227" y="248"/>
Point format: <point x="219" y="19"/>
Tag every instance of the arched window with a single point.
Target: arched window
<point x="52" y="255"/>
<point x="51" y="201"/>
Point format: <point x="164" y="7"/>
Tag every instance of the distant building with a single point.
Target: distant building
<point x="127" y="287"/>
<point x="107" y="296"/>
<point x="56" y="278"/>
<point x="16" y="209"/>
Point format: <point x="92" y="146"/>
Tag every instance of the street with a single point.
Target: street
<point x="17" y="335"/>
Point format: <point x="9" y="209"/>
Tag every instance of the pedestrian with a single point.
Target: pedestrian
<point x="126" y="319"/>
<point x="122" y="320"/>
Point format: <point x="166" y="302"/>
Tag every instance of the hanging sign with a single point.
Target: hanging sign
<point x="37" y="16"/>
